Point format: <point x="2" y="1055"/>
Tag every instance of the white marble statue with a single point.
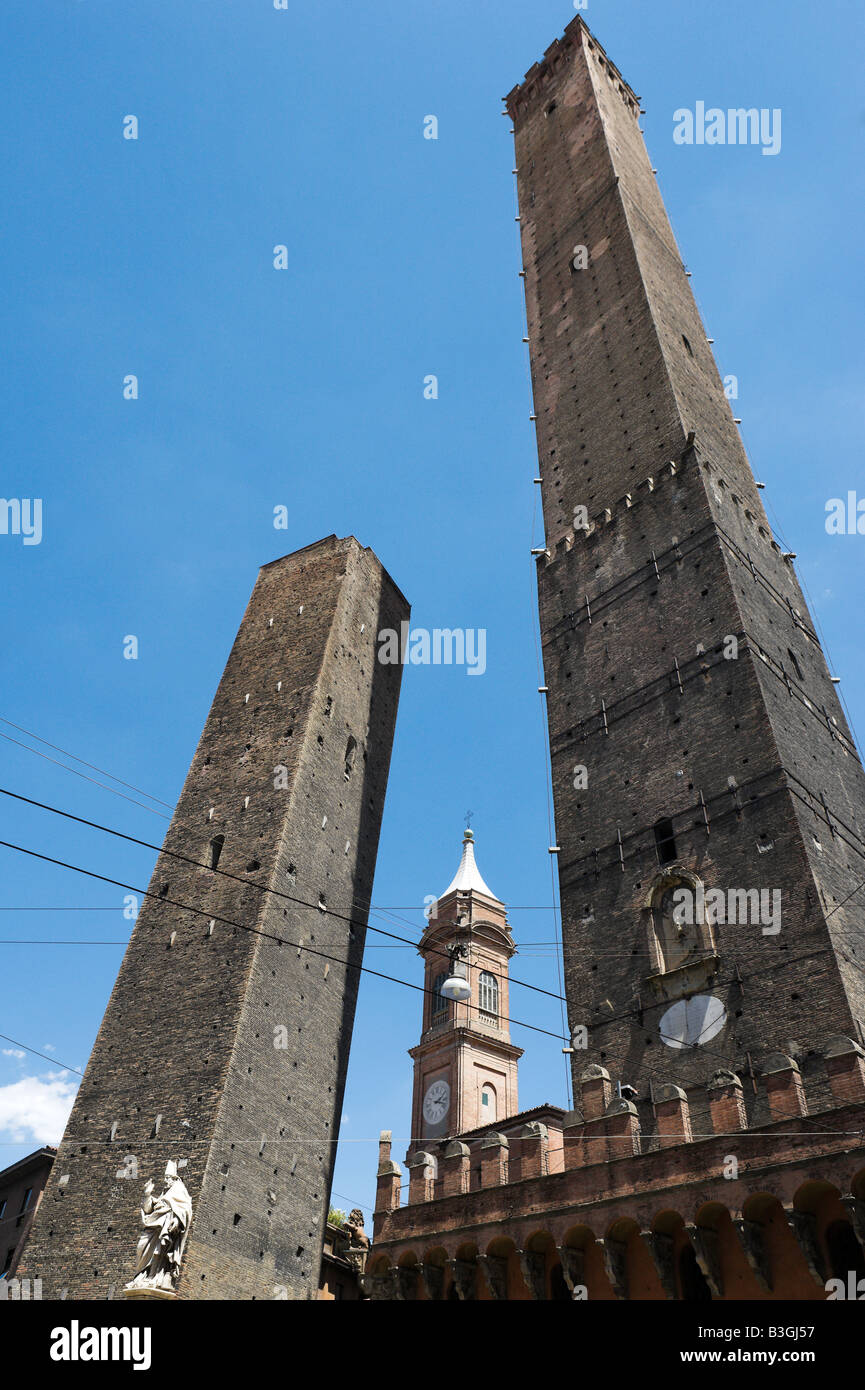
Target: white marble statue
<point x="166" y="1221"/>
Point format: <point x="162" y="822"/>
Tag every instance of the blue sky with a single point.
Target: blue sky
<point x="305" y="388"/>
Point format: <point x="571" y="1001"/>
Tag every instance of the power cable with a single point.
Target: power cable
<point x="250" y="883"/>
<point x="74" y="770"/>
<point x="256" y="931"/>
<point x="93" y="768"/>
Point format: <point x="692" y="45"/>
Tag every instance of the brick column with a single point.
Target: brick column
<point x="673" y="1116"/>
<point x="726" y="1105"/>
<point x="623" y="1129"/>
<point x="784" y="1087"/>
<point x="534" y="1141"/>
<point x="573" y="1140"/>
<point x="421" y="1181"/>
<point x="595" y="1140"/>
<point x="389" y="1177"/>
<point x="455" y="1168"/>
<point x="494" y="1160"/>
<point x="597" y="1090"/>
<point x="845" y="1067"/>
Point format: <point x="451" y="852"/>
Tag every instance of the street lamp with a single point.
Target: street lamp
<point x="456" y="986"/>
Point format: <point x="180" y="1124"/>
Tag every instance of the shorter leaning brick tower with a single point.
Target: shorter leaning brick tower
<point x="225" y="1043"/>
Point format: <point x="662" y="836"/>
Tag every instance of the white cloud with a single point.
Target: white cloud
<point x="14" y="1052"/>
<point x="36" y="1108"/>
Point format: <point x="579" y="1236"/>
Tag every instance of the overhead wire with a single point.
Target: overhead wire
<point x="256" y="931"/>
<point x="237" y="878"/>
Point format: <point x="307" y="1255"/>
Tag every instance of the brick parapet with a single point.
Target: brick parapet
<point x="605" y="1156"/>
<point x="780" y="1159"/>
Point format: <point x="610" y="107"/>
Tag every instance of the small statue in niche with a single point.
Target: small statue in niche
<point x="676" y="938"/>
<point x="166" y="1221"/>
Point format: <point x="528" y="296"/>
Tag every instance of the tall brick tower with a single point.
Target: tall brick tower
<point x="225" y="1043"/>
<point x="696" y="738"/>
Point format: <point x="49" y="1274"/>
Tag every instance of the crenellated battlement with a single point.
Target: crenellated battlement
<point x="586" y="1204"/>
<point x="653" y="488"/>
<point x="576" y="35"/>
<point x="607" y="1127"/>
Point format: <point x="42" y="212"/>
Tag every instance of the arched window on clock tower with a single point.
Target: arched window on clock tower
<point x="488" y="989"/>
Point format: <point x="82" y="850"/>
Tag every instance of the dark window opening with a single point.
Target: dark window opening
<point x="796" y="667"/>
<point x="350" y="755"/>
<point x="665" y="841"/>
<point x="439" y="1002"/>
<point x="688" y="348"/>
<point x="692" y="1281"/>
<point x="25" y="1200"/>
<point x="845" y="1252"/>
<point x="216" y="849"/>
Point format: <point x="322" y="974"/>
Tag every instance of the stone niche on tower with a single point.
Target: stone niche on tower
<point x="465" y="1065"/>
<point x="682" y="953"/>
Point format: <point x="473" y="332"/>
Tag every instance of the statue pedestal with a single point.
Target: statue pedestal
<point x="148" y="1293"/>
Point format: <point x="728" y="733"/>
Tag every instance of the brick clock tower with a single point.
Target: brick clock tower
<point x="465" y="1065"/>
<point x="696" y="736"/>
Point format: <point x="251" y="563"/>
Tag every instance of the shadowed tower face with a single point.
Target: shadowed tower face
<point x="224" y="1048"/>
<point x="710" y="802"/>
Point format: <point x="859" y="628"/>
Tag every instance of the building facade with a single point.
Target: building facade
<point x="228" y="1029"/>
<point x="587" y="1205"/>
<point x="709" y="797"/>
<point x="21" y="1188"/>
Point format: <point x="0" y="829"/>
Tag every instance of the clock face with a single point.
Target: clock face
<point x="436" y="1102"/>
<point x="693" y="1022"/>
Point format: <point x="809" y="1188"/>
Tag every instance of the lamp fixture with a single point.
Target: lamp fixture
<point x="456" y="986"/>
